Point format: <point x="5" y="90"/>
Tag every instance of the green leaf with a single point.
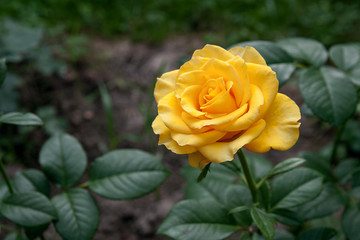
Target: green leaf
<point x="329" y="93"/>
<point x="295" y="188"/>
<point x="283" y="235"/>
<point x="63" y="160"/>
<point x="345" y="169"/>
<point x="27" y="119"/>
<point x="239" y="209"/>
<point x="198" y="219"/>
<point x="354" y="75"/>
<point x="287" y="217"/>
<point x="33" y="232"/>
<point x="318" y="163"/>
<point x="305" y="50"/>
<point x="213" y="187"/>
<point x="203" y="173"/>
<point x="329" y="201"/>
<point x="78" y="214"/>
<point x="283" y="71"/>
<point x="28" y="209"/>
<point x="15" y="236"/>
<point x="351" y="222"/>
<point x="19" y="38"/>
<point x="263" y="221"/>
<point x="239" y="196"/>
<point x="322" y="233"/>
<point x="126" y="174"/>
<point x="270" y="51"/>
<point x="286" y="165"/>
<point x="259" y="166"/>
<point x="344" y="56"/>
<point x="31" y="180"/>
<point x="9" y="95"/>
<point x="2" y="71"/>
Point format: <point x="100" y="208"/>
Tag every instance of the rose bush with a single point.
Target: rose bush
<point x="220" y="101"/>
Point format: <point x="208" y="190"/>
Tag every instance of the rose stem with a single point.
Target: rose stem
<point x="248" y="176"/>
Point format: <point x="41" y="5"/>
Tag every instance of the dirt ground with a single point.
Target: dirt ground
<point x="128" y="70"/>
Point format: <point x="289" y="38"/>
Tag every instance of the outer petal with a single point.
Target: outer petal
<point x="165" y="84"/>
<point x="170" y="112"/>
<point x="224" y="151"/>
<point x="282" y="128"/>
<point x="197" y="160"/>
<point x="212" y="51"/>
<point x="165" y="138"/>
<point x="249" y="54"/>
<point x="265" y="78"/>
<point x="197" y="140"/>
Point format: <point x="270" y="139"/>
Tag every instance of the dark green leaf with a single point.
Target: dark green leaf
<point x="63" y="160"/>
<point x="318" y="163"/>
<point x="31" y="180"/>
<point x="287" y="217"/>
<point x="270" y="51"/>
<point x="325" y="204"/>
<point x="236" y="196"/>
<point x="345" y="169"/>
<point x="344" y="56"/>
<point x="239" y="209"/>
<point x="351" y="222"/>
<point x="15" y="236"/>
<point x="259" y="166"/>
<point x="329" y="93"/>
<point x="263" y="221"/>
<point x="322" y="233"/>
<point x="305" y="50"/>
<point x="2" y="71"/>
<point x="283" y="235"/>
<point x="286" y="165"/>
<point x="126" y="174"/>
<point x="203" y="173"/>
<point x="9" y="95"/>
<point x="295" y="188"/>
<point x="354" y="75"/>
<point x="198" y="219"/>
<point x="19" y="38"/>
<point x="219" y="171"/>
<point x="78" y="214"/>
<point x="283" y="71"/>
<point x="33" y="232"/>
<point x="27" y="119"/>
<point x="264" y="195"/>
<point x="28" y="209"/>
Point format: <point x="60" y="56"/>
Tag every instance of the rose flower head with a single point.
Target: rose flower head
<point x="220" y="101"/>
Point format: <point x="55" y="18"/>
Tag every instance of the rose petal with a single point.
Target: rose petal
<point x="196" y="77"/>
<point x="197" y="160"/>
<point x="165" y="84"/>
<point x="249" y="54"/>
<point x="224" y="151"/>
<point x="190" y="101"/>
<point x="265" y="78"/>
<point x="282" y="127"/>
<point x="244" y="86"/>
<point x="212" y="51"/>
<point x="165" y="138"/>
<point x="197" y="140"/>
<point x="215" y="68"/>
<point x="170" y="112"/>
<point x="251" y="116"/>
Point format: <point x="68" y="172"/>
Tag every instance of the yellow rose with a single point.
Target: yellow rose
<point x="221" y="101"/>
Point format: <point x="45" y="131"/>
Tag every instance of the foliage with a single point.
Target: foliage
<point x="230" y="20"/>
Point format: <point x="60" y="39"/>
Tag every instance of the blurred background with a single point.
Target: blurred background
<point x="88" y="68"/>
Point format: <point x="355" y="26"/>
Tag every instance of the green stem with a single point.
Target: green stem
<point x="339" y="132"/>
<point x="5" y="176"/>
<point x="249" y="179"/>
